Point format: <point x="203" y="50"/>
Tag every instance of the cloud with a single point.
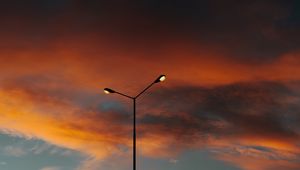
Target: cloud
<point x="252" y="125"/>
<point x="173" y="161"/>
<point x="51" y="168"/>
<point x="67" y="129"/>
<point x="252" y="31"/>
<point x="260" y="158"/>
<point x="262" y="109"/>
<point x="14" y="151"/>
<point x="232" y="77"/>
<point x="70" y="115"/>
<point x="89" y="163"/>
<point x="71" y="112"/>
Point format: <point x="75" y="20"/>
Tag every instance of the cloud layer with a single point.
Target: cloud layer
<point x="233" y="77"/>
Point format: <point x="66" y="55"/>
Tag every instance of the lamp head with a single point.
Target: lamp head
<point x="160" y="79"/>
<point x="108" y="91"/>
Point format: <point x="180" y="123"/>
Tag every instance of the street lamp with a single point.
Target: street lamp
<point x="108" y="91"/>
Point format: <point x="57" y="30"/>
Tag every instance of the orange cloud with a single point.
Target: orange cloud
<point x="59" y="124"/>
<point x="261" y="160"/>
<point x="232" y="85"/>
<point x="50" y="95"/>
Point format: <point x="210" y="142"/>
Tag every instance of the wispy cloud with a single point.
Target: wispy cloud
<point x="14" y="151"/>
<point x="51" y="168"/>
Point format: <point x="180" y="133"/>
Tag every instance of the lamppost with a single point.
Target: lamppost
<point x="108" y="91"/>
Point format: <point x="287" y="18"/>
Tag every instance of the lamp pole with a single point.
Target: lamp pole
<point x="108" y="91"/>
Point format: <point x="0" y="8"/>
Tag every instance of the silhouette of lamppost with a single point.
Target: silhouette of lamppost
<point x="108" y="91"/>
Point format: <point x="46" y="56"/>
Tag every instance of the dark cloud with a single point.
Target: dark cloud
<point x="257" y="31"/>
<point x="266" y="110"/>
<point x="258" y="109"/>
<point x="89" y="40"/>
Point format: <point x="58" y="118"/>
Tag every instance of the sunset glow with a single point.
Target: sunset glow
<point x="230" y="97"/>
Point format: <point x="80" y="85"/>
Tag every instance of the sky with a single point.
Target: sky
<point x="231" y="100"/>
